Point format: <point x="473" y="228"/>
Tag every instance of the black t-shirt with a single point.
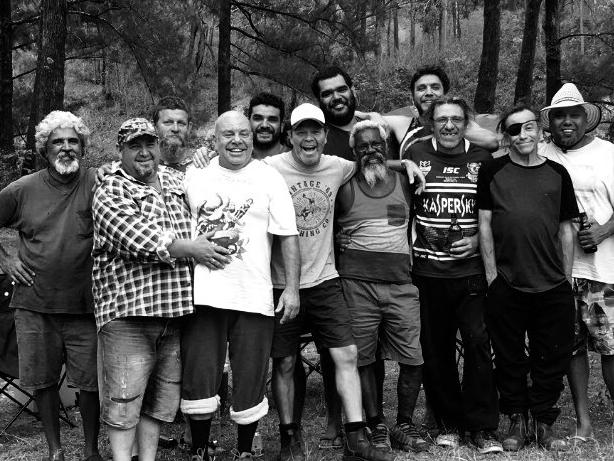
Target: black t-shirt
<point x="451" y="187"/>
<point x="527" y="204"/>
<point x="338" y="143"/>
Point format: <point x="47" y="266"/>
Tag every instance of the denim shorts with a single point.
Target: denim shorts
<point x="46" y="341"/>
<point x="140" y="370"/>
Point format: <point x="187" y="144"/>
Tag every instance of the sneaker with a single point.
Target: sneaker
<point x="517" y="435"/>
<point x="406" y="437"/>
<point x="380" y="437"/>
<point x="448" y="439"/>
<point x="547" y="439"/>
<point x="292" y="447"/>
<point x="487" y="442"/>
<point x="358" y="447"/>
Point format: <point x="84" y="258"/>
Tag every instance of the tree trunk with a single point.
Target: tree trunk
<point x="524" y="77"/>
<point x="443" y="20"/>
<point x="362" y="16"/>
<point x="6" y="79"/>
<point x="412" y="27"/>
<point x="388" y="32"/>
<point x="375" y="9"/>
<point x="395" y="20"/>
<point x="553" y="49"/>
<point x="223" y="58"/>
<point x="48" y="92"/>
<point x="484" y="101"/>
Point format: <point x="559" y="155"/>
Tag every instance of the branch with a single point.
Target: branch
<point x="28" y="20"/>
<point x="70" y="58"/>
<point x="23" y="45"/>
<point x="599" y="35"/>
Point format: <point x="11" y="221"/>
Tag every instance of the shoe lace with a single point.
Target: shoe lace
<point x="379" y="436"/>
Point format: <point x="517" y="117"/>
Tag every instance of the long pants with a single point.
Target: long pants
<point x="547" y="319"/>
<point x="448" y="305"/>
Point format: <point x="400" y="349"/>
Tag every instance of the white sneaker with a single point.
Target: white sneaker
<point x="448" y="440"/>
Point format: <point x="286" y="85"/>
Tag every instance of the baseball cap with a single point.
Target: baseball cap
<point x="133" y="128"/>
<point x="306" y="111"/>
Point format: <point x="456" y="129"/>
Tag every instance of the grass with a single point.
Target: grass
<point x="25" y="442"/>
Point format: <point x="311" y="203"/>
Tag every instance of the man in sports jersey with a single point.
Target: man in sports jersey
<point x="526" y="204"/>
<point x="590" y="163"/>
<point x="373" y="209"/>
<point x="450" y="278"/>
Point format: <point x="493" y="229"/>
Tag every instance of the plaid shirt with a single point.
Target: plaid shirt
<point x="133" y="225"/>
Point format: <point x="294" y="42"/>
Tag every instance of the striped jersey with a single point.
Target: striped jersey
<point x="451" y="188"/>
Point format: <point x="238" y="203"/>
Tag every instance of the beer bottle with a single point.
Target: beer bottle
<point x="455" y="233"/>
<point x="584" y="224"/>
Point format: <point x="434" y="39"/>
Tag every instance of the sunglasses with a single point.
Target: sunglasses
<point x="530" y="126"/>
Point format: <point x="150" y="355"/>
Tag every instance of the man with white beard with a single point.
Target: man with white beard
<point x="373" y="209"/>
<point x="53" y="305"/>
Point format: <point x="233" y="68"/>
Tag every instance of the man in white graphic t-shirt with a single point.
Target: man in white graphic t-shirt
<point x="590" y="163"/>
<point x="242" y="206"/>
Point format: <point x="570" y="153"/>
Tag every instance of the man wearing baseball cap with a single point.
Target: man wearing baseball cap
<point x="590" y="163"/>
<point x="313" y="180"/>
<point x="142" y="288"/>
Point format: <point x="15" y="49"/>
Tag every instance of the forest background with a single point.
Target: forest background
<point x="108" y="60"/>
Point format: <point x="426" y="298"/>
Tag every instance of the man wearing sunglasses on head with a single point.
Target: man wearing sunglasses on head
<point x="450" y="277"/>
<point x="526" y="204"/>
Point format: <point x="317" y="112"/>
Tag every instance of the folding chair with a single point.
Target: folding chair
<point x="9" y="362"/>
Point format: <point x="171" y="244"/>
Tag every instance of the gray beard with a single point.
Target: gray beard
<point x="374" y="173"/>
<point x="65" y="168"/>
<point x="171" y="153"/>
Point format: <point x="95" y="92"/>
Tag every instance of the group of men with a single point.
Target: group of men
<point x="187" y="264"/>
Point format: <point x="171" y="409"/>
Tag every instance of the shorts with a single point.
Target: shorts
<point x="47" y="341"/>
<point x="323" y="312"/>
<point x="140" y="365"/>
<point x="594" y="325"/>
<point x="206" y="335"/>
<point x="388" y="313"/>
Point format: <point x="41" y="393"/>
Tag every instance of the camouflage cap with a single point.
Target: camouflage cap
<point x="133" y="128"/>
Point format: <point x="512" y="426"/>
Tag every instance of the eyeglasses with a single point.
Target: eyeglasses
<point x="530" y="126"/>
<point x="364" y="148"/>
<point x="444" y="120"/>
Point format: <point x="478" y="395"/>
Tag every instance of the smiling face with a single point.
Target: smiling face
<point x="63" y="150"/>
<point x="568" y="125"/>
<point x="449" y="125"/>
<point x="233" y="140"/>
<point x="426" y="90"/>
<point x="265" y="122"/>
<point x="173" y="127"/>
<point x="525" y="141"/>
<point x="140" y="157"/>
<point x="308" y="139"/>
<point x="370" y="148"/>
<point x="337" y="100"/>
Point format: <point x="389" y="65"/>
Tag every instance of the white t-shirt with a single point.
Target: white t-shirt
<point x="244" y="208"/>
<point x="313" y="192"/>
<point x="592" y="172"/>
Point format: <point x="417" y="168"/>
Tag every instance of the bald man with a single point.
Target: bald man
<point x="241" y="206"/>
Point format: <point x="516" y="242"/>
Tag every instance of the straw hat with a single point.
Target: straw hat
<point x="569" y="96"/>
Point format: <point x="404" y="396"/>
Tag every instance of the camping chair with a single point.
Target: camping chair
<point x="9" y="362"/>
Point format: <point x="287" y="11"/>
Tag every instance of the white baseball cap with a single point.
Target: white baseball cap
<point x="306" y="111"/>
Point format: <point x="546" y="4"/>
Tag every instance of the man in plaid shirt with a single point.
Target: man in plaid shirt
<point x="142" y="289"/>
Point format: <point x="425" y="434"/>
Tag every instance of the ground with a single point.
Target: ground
<point x="24" y="441"/>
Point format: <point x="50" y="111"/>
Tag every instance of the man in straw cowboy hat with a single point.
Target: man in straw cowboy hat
<point x="590" y="163"/>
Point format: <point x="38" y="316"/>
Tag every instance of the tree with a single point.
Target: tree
<point x="553" y="48"/>
<point x="6" y="78"/>
<point x="49" y="81"/>
<point x="524" y="77"/>
<point x="223" y="58"/>
<point x="484" y="101"/>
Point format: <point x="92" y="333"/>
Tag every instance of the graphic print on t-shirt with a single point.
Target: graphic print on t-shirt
<point x="223" y="217"/>
<point x="312" y="206"/>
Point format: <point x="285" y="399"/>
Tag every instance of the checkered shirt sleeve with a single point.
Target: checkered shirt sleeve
<point x="133" y="273"/>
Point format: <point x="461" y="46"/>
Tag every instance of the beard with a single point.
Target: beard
<point x="373" y="172"/>
<point x="66" y="164"/>
<point x="275" y="137"/>
<point x="340" y="119"/>
<point x="171" y="148"/>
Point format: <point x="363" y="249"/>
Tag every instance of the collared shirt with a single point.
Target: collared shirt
<point x="133" y="225"/>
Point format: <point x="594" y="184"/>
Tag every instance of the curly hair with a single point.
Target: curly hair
<point x="60" y="119"/>
<point x="367" y="125"/>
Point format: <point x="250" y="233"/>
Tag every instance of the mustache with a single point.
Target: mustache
<point x="265" y="129"/>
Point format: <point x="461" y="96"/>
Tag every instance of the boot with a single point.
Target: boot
<point x="516" y="437"/>
<point x="547" y="439"/>
<point x="358" y="447"/>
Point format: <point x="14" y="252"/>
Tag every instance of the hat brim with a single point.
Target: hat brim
<point x="593" y="114"/>
<point x="298" y="122"/>
<point x="132" y="136"/>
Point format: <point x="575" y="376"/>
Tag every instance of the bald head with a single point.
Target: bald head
<point x="233" y="140"/>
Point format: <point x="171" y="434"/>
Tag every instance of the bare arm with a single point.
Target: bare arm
<point x="487" y="246"/>
<point x="481" y="136"/>
<point x="412" y="170"/>
<point x="15" y="268"/>
<point x="289" y="301"/>
<point x="566" y="238"/>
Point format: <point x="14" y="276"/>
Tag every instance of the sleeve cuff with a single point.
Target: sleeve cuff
<point x="162" y="250"/>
